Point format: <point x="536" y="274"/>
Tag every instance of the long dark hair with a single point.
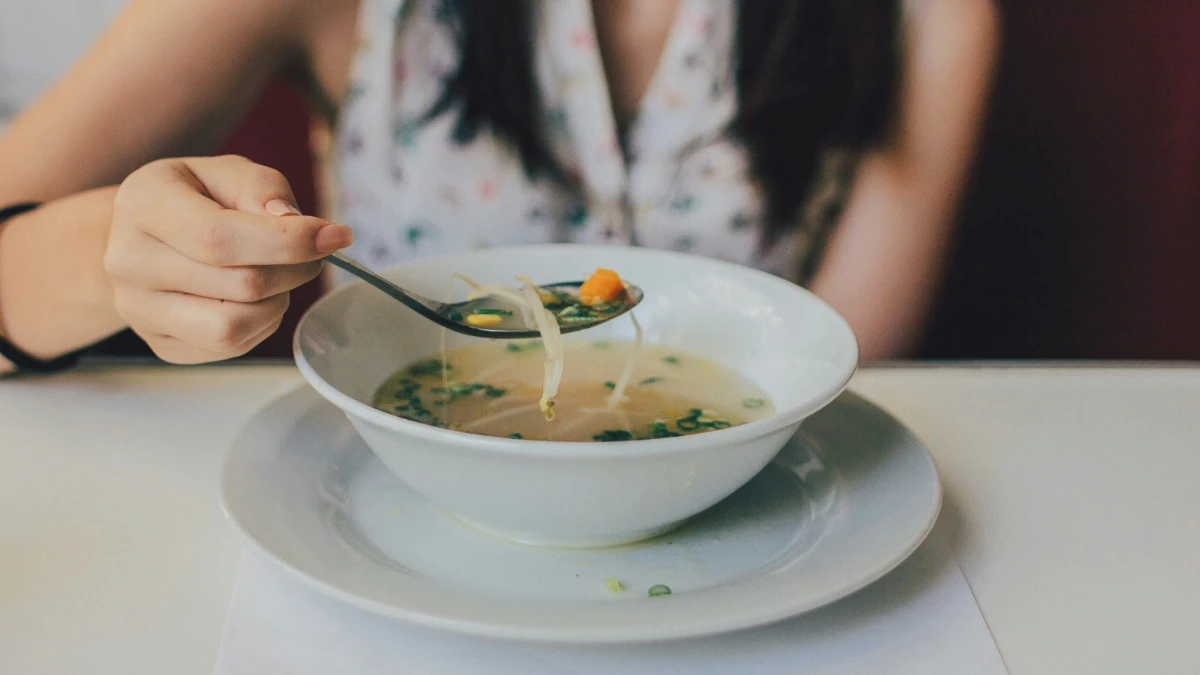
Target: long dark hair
<point x="811" y="75"/>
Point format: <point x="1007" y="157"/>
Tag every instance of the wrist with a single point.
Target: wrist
<point x="54" y="294"/>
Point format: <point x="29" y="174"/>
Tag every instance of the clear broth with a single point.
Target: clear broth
<point x="493" y="390"/>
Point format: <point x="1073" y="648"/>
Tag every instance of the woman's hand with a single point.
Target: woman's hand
<point x="203" y="252"/>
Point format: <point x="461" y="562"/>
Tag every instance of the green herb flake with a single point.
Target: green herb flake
<point x="695" y="421"/>
<point x="494" y="392"/>
<point x="428" y="367"/>
<point x="753" y="403"/>
<point x="514" y="347"/>
<point x="660" y="430"/>
<point x="610" y="384"/>
<point x="650" y="380"/>
<point x="517" y="436"/>
<point x="456" y="316"/>
<point x="494" y="310"/>
<point x="658" y="590"/>
<point x="573" y="319"/>
<point x="672" y="359"/>
<point x="611" y="435"/>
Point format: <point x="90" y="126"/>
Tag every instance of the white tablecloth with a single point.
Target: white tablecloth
<point x="919" y="620"/>
<point x="1070" y="505"/>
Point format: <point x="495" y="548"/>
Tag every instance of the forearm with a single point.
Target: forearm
<point x="885" y="260"/>
<point x="54" y="293"/>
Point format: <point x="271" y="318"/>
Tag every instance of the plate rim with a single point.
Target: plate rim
<point x="302" y="395"/>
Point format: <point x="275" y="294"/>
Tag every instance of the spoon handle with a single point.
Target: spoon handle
<point x="421" y="305"/>
<point x="438" y="311"/>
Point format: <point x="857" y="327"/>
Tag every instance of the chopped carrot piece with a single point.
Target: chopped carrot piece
<point x="604" y="285"/>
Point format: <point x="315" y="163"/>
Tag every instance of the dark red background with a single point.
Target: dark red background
<point x="1080" y="237"/>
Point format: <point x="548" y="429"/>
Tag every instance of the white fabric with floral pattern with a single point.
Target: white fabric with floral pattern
<point x="410" y="190"/>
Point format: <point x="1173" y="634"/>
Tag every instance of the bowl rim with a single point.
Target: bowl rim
<point x="583" y="449"/>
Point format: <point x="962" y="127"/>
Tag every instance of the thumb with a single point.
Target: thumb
<point x="240" y="184"/>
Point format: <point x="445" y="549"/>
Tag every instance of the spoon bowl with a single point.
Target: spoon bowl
<point x="509" y="326"/>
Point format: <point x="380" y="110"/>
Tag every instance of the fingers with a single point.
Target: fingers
<point x="175" y="350"/>
<point x="214" y="211"/>
<point x="151" y="264"/>
<point x="237" y="183"/>
<point x="202" y="254"/>
<point x="185" y="328"/>
<point x="207" y="233"/>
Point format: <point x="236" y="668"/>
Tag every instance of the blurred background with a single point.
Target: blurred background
<point x="1080" y="236"/>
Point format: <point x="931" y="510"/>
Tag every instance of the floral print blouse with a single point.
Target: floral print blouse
<point x="409" y="190"/>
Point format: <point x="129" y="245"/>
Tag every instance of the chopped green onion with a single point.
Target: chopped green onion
<point x="456" y="316"/>
<point x="672" y="359"/>
<point x="428" y="367"/>
<point x="515" y="436"/>
<point x="753" y="403"/>
<point x="660" y="430"/>
<point x="513" y="347"/>
<point x="658" y="590"/>
<point x="650" y="380"/>
<point x="610" y="384"/>
<point x="495" y="392"/>
<point x="687" y="423"/>
<point x="610" y="435"/>
<point x="494" y="310"/>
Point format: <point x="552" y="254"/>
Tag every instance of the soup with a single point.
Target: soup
<point x="493" y="388"/>
<point x="602" y="295"/>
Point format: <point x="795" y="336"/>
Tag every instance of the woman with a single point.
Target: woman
<point x="824" y="140"/>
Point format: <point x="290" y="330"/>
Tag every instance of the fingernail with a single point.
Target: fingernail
<point x="333" y="237"/>
<point x="280" y="207"/>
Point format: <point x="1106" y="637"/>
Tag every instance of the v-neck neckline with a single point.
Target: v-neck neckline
<point x="653" y="84"/>
<point x="667" y="61"/>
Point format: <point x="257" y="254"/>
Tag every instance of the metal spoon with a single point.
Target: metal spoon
<point x="453" y="315"/>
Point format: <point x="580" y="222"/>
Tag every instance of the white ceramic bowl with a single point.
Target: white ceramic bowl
<point x="779" y="335"/>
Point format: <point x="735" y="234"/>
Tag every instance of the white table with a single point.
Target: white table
<point x="1072" y="505"/>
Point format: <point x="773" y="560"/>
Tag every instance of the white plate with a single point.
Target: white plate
<point x="849" y="498"/>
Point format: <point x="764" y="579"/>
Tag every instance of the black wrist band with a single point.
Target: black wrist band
<point x="10" y="351"/>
